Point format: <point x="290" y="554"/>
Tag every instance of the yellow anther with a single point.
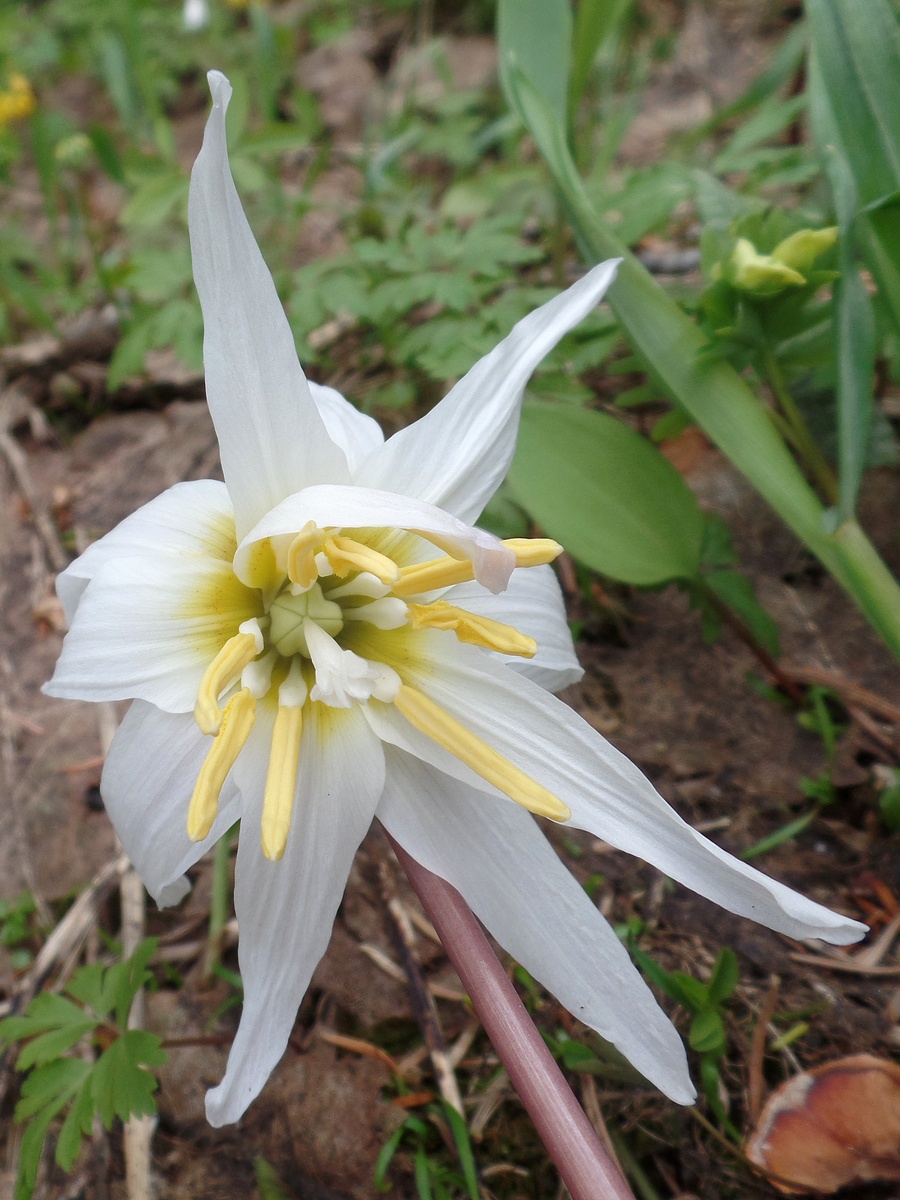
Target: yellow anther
<point x="237" y="721"/>
<point x="446" y="572"/>
<point x="237" y="652"/>
<point x="533" y="552"/>
<point x="346" y="555"/>
<point x="469" y="627"/>
<point x="436" y="573"/>
<point x="281" y="781"/>
<point x="430" y="719"/>
<point x="301" y="559"/>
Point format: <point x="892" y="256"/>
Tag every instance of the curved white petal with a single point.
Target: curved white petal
<point x="147" y="782"/>
<point x="606" y="792"/>
<point x="272" y="438"/>
<point x="147" y="628"/>
<point x="286" y="909"/>
<point x="457" y="455"/>
<point x="356" y="434"/>
<point x="497" y="857"/>
<point x="349" y="507"/>
<point x="194" y="520"/>
<point x="533" y="603"/>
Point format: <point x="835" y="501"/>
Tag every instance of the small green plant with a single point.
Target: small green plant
<point x="17" y="918"/>
<point x="706" y="1003"/>
<point x="114" y="1081"/>
<point x="435" y="1178"/>
<point x="818" y="717"/>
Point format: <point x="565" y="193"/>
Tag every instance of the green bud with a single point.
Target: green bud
<point x="759" y="274"/>
<point x="802" y="248"/>
<point x="74" y="151"/>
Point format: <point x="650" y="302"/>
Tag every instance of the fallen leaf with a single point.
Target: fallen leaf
<point x="832" y="1126"/>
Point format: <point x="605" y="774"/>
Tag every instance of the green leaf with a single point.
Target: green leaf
<point x="889" y="806"/>
<point x="155" y="200"/>
<point x="707" y="1033"/>
<point x="603" y="491"/>
<point x="460" y="1131"/>
<point x="855" y="329"/>
<point x="535" y="38"/>
<point x="694" y="991"/>
<point x="595" y="22"/>
<point x="45" y="1093"/>
<point x="853" y="71"/>
<point x="51" y="1045"/>
<point x="121" y="1086"/>
<point x="78" y="1123"/>
<point x="267" y="1181"/>
<point x="724" y="977"/>
<point x="738" y="593"/>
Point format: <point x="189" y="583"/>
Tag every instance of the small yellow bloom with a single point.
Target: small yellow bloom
<point x="17" y="101"/>
<point x="761" y="274"/>
<point x="801" y="249"/>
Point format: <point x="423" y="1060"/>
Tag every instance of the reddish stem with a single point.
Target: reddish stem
<point x="585" y="1165"/>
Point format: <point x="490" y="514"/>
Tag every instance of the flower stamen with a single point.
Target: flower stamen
<point x="284" y="760"/>
<point x="302" y="568"/>
<point x="236" y="723"/>
<point x="346" y="554"/>
<point x="472" y="628"/>
<point x="447" y="571"/>
<point x="430" y="719"/>
<point x="237" y="653"/>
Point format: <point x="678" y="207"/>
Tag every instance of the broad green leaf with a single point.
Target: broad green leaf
<point x="535" y="38"/>
<point x="606" y="494"/>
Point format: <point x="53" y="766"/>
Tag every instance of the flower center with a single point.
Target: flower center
<point x="329" y="581"/>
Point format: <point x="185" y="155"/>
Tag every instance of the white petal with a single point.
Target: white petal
<point x="533" y="603"/>
<point x="457" y="455"/>
<point x="607" y="793"/>
<point x="146" y="786"/>
<point x="349" y="507"/>
<point x="272" y="438"/>
<point x="356" y="434"/>
<point x="190" y="519"/>
<point x="147" y="628"/>
<point x="497" y="857"/>
<point x="286" y="909"/>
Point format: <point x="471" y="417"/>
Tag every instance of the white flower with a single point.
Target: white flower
<point x="195" y="15"/>
<point x="325" y="638"/>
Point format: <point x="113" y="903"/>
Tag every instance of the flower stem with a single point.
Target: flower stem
<point x="798" y="430"/>
<point x="583" y="1161"/>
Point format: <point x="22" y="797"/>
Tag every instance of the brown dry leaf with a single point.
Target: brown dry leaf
<point x="832" y="1126"/>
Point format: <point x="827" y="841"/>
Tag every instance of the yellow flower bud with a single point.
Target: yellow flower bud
<point x="761" y="274"/>
<point x="802" y="248"/>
